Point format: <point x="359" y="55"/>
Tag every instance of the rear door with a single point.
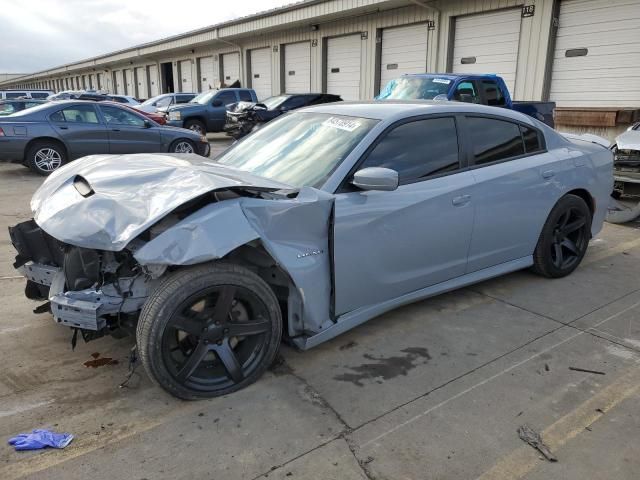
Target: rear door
<point x="128" y="132"/>
<point x="81" y="129"/>
<point x="391" y="243"/>
<point x="514" y="190"/>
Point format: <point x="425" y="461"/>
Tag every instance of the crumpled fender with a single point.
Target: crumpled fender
<point x="629" y="140"/>
<point x="294" y="231"/>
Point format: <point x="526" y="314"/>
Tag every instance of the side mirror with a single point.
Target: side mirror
<point x="147" y="124"/>
<point x="376" y="178"/>
<point x="216" y="103"/>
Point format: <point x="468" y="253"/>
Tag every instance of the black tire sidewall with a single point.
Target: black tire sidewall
<point x="543" y="263"/>
<point x="189" y="123"/>
<point x="177" y="287"/>
<point x="33" y="149"/>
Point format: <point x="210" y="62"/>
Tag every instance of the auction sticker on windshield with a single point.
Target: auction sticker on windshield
<point x="442" y="80"/>
<point x="341" y="123"/>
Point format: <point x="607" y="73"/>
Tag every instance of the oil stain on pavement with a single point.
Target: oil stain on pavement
<point x="385" y="368"/>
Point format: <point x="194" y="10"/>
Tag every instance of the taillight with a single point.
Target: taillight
<point x="1" y="132"/>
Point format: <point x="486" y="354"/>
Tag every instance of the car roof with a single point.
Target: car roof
<point x="450" y="76"/>
<point x="392" y="110"/>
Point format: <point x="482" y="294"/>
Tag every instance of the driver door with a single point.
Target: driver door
<point x="218" y="110"/>
<point x="129" y="133"/>
<point x="390" y="243"/>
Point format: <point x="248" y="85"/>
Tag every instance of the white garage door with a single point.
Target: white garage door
<point x="119" y="82"/>
<point x="154" y="83"/>
<point x="130" y="84"/>
<point x="404" y="50"/>
<point x="261" y="72"/>
<point x="230" y="68"/>
<point x="488" y="43"/>
<point x="205" y="65"/>
<point x="597" y="55"/>
<point x="186" y="83"/>
<point x="297" y="67"/>
<point x="141" y="81"/>
<point x="343" y="66"/>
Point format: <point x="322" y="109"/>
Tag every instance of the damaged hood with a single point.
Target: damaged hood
<point x="105" y="201"/>
<point x="629" y="140"/>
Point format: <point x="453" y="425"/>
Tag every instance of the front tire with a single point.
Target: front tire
<point x="182" y="145"/>
<point x="45" y="157"/>
<point x="564" y="238"/>
<point x="209" y="330"/>
<point x="196" y="126"/>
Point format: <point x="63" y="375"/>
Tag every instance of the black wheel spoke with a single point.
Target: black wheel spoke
<point x="573" y="226"/>
<point x="247" y="328"/>
<point x="187" y="324"/>
<point x="223" y="304"/>
<point x="230" y="361"/>
<point x="195" y="359"/>
<point x="570" y="245"/>
<point x="559" y="256"/>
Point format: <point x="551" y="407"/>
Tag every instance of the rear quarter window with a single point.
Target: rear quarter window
<point x="494" y="140"/>
<point x="245" y="96"/>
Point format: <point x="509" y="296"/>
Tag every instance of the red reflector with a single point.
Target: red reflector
<point x="1" y="132"/>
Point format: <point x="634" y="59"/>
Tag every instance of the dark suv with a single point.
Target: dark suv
<point x="207" y="112"/>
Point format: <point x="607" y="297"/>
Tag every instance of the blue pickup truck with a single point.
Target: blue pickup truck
<point x="485" y="89"/>
<point x="208" y="111"/>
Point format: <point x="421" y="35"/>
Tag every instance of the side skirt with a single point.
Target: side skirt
<point x="357" y="317"/>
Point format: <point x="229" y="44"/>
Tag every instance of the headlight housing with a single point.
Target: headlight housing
<point x="174" y="115"/>
<point x="203" y="139"/>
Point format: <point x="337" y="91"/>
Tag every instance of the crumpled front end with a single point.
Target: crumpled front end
<point x="626" y="173"/>
<point x="95" y="291"/>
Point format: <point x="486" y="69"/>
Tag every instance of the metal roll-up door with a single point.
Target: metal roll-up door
<point x="230" y="68"/>
<point x="205" y="65"/>
<point x="154" y="82"/>
<point x="297" y="67"/>
<point x="129" y="83"/>
<point x="261" y="72"/>
<point x="488" y="43"/>
<point x="404" y="50"/>
<point x="186" y="82"/>
<point x="343" y="66"/>
<point x="141" y="83"/>
<point x="597" y="54"/>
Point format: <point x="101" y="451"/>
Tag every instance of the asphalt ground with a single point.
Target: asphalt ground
<point x="434" y="390"/>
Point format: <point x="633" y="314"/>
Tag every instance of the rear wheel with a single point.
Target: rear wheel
<point x="182" y="146"/>
<point x="564" y="238"/>
<point x="196" y="125"/>
<point x="44" y="157"/>
<point x="209" y="331"/>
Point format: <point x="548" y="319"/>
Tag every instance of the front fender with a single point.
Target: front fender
<point x="295" y="232"/>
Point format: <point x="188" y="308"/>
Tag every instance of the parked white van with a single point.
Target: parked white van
<point x="8" y="94"/>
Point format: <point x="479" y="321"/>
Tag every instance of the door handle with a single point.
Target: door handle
<point x="63" y="128"/>
<point x="461" y="200"/>
<point x="548" y="174"/>
<point x="115" y="129"/>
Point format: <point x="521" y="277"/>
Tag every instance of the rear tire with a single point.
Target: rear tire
<point x="564" y="238"/>
<point x="44" y="157"/>
<point x="209" y="330"/>
<point x="196" y="126"/>
<point x="182" y="145"/>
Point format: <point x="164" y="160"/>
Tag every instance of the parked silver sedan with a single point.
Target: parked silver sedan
<point x="47" y="136"/>
<point x="312" y="225"/>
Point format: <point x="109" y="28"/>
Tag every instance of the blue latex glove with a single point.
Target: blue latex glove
<point x="38" y="439"/>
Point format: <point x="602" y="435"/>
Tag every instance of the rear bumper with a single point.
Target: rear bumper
<point x="12" y="150"/>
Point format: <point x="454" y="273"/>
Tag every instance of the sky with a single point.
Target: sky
<point x="40" y="34"/>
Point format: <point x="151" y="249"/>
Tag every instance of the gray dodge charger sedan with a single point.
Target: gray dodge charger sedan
<point x="48" y="136"/>
<point x="321" y="220"/>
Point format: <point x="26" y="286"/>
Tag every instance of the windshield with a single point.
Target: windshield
<point x="204" y="98"/>
<point x="415" y="88"/>
<point x="273" y="102"/>
<point x="300" y="149"/>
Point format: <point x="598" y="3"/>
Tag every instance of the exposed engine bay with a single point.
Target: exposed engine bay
<point x="626" y="172"/>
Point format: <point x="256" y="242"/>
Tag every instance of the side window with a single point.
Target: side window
<point x="494" y="140"/>
<point x="16" y="94"/>
<point x="492" y="93"/>
<point x="119" y="116"/>
<point x="226" y="98"/>
<point x="39" y="94"/>
<point x="531" y="139"/>
<point x="7" y="109"/>
<point x="77" y="114"/>
<point x="31" y="104"/>
<point x="296" y="102"/>
<point x="418" y="149"/>
<point x="163" y="102"/>
<point x="245" y="96"/>
<point x="466" y="92"/>
<point x="184" y="98"/>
